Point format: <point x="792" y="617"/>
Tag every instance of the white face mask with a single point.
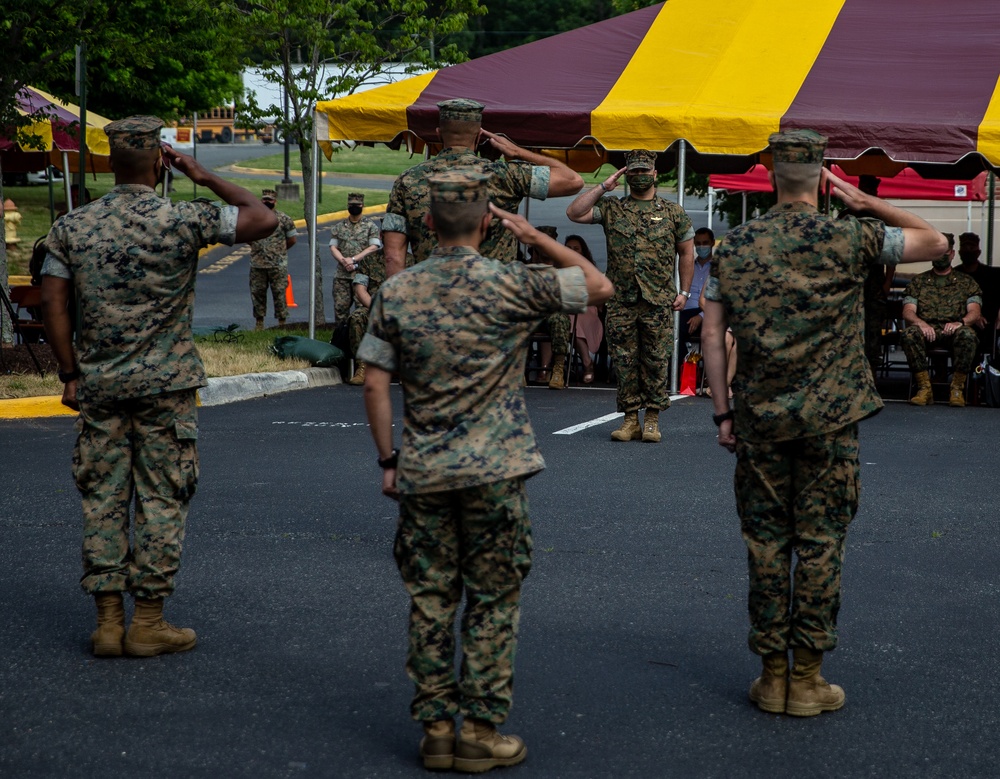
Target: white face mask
<point x="702" y="251"/>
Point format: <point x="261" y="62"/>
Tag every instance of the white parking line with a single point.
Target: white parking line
<point x="600" y="420"/>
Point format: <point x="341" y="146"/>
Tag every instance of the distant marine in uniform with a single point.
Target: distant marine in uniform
<point x="269" y="264"/>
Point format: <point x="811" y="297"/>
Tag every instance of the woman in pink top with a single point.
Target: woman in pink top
<point x="589" y="331"/>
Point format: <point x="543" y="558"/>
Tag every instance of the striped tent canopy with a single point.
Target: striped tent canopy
<point x="58" y="127"/>
<point x="912" y="80"/>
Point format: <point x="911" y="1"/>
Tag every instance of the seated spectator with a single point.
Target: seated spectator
<point x="553" y="354"/>
<point x="589" y="331"/>
<point x="940" y="306"/>
<point x="988" y="280"/>
<point x="704" y="245"/>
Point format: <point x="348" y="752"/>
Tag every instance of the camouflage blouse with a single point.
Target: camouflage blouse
<point x="456" y="328"/>
<point x="132" y="257"/>
<point x="272" y="252"/>
<point x="510" y="183"/>
<point x="791" y="283"/>
<point x="942" y="299"/>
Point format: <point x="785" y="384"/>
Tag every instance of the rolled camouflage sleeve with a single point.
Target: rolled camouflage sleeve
<point x="573" y="290"/>
<point x="375" y="347"/>
<point x="394" y="220"/>
<point x="373" y="237"/>
<point x="596" y="216"/>
<point x="892" y="246"/>
<point x="361" y="280"/>
<point x="540" y="177"/>
<point x="228" y="216"/>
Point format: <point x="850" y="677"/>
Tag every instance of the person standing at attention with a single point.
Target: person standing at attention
<point x="645" y="233"/>
<point x="791" y="286"/>
<point x="455" y="327"/>
<point x="130" y="259"/>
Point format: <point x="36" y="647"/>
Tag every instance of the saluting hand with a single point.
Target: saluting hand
<point x="517" y="224"/>
<point x="505" y="146"/>
<point x="612" y="181"/>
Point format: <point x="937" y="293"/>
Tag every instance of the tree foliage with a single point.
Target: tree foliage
<point x="516" y="22"/>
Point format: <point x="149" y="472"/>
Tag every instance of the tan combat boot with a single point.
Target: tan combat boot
<point x="651" y="426"/>
<point x="957" y="397"/>
<point x="107" y="639"/>
<point x="359" y="375"/>
<point x="925" y="395"/>
<point x="630" y="430"/>
<point x="437" y="747"/>
<point x="259" y="325"/>
<point x="150" y="635"/>
<point x="809" y="693"/>
<point x="558" y="379"/>
<point x="770" y="689"/>
<point x="481" y="747"/>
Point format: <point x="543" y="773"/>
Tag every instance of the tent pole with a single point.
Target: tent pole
<point x="67" y="177"/>
<point x="312" y="235"/>
<point x="968" y="215"/>
<point x="675" y="358"/>
<point x="711" y="205"/>
<point x="744" y="217"/>
<point x="992" y="217"/>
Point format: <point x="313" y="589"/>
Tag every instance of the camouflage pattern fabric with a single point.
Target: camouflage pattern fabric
<point x="796" y="496"/>
<point x="476" y="539"/>
<point x="351" y="239"/>
<point x="132" y="257"/>
<point x="370" y="275"/>
<point x="275" y="279"/>
<point x="640" y="343"/>
<point x="942" y="299"/>
<point x="456" y="329"/>
<point x="134" y="132"/>
<point x="510" y="182"/>
<point x="343" y="296"/>
<point x="963" y="345"/>
<point x="559" y="327"/>
<point x="272" y="252"/>
<point x="791" y="284"/>
<point x="147" y="448"/>
<point x="642" y="238"/>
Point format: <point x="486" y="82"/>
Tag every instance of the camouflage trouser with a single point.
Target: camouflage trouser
<point x="146" y="449"/>
<point x="357" y="326"/>
<point x="796" y="496"/>
<point x="963" y="345"/>
<point x="343" y="296"/>
<point x="277" y="280"/>
<point x="641" y="341"/>
<point x="559" y="331"/>
<point x="477" y="539"/>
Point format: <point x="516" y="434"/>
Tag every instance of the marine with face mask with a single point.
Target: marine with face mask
<point x="269" y="265"/>
<point x="645" y="233"/>
<point x="940" y="306"/>
<point x="351" y="241"/>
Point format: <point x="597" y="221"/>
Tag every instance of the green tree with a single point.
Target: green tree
<point x="516" y="22"/>
<point x="322" y="49"/>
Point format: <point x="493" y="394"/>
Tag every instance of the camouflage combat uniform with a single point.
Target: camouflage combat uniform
<point x="370" y="275"/>
<point x="269" y="268"/>
<point x="791" y="283"/>
<point x="455" y="327"/>
<point x="642" y="239"/>
<point x="940" y="300"/>
<point x="350" y="238"/>
<point x="510" y="183"/>
<point x="132" y="258"/>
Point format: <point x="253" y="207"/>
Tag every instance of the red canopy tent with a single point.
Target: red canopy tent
<point x="906" y="185"/>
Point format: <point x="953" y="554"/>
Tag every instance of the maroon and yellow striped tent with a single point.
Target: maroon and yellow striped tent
<point x="916" y="80"/>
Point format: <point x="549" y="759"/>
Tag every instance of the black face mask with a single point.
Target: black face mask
<point x="354" y="210"/>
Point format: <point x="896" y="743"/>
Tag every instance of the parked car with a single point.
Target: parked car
<point x="29" y="179"/>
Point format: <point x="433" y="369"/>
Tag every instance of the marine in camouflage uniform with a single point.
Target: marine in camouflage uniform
<point x="557" y="326"/>
<point x="946" y="303"/>
<point x="369" y="277"/>
<point x="790" y="285"/>
<point x="513" y="177"/>
<point x="269" y="265"/>
<point x="131" y="258"/>
<point x="351" y="240"/>
<point x="644" y="233"/>
<point x="455" y="329"/>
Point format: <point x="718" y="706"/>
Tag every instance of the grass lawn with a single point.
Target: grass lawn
<point x="361" y="159"/>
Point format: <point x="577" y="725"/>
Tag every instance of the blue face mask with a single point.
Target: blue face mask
<point x="702" y="251"/>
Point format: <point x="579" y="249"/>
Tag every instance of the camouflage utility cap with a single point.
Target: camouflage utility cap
<point x="355" y="197"/>
<point x="268" y="194"/>
<point x="549" y="230"/>
<point x="801" y="146"/>
<point x="460" y="109"/>
<point x="134" y="132"/>
<point x="640" y="159"/>
<point x="459" y="187"/>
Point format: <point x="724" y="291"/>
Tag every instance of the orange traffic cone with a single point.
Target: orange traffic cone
<point x="289" y="296"/>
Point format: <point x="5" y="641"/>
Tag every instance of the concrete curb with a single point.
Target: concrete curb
<point x="222" y="390"/>
<point x="230" y="389"/>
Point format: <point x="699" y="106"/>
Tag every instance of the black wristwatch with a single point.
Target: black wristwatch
<point x="389" y="462"/>
<point x="720" y="418"/>
<point x="66" y="378"/>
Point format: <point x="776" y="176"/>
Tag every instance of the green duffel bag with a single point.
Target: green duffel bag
<point x="317" y="353"/>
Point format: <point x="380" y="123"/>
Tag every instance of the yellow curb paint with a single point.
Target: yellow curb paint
<point x="24" y="408"/>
